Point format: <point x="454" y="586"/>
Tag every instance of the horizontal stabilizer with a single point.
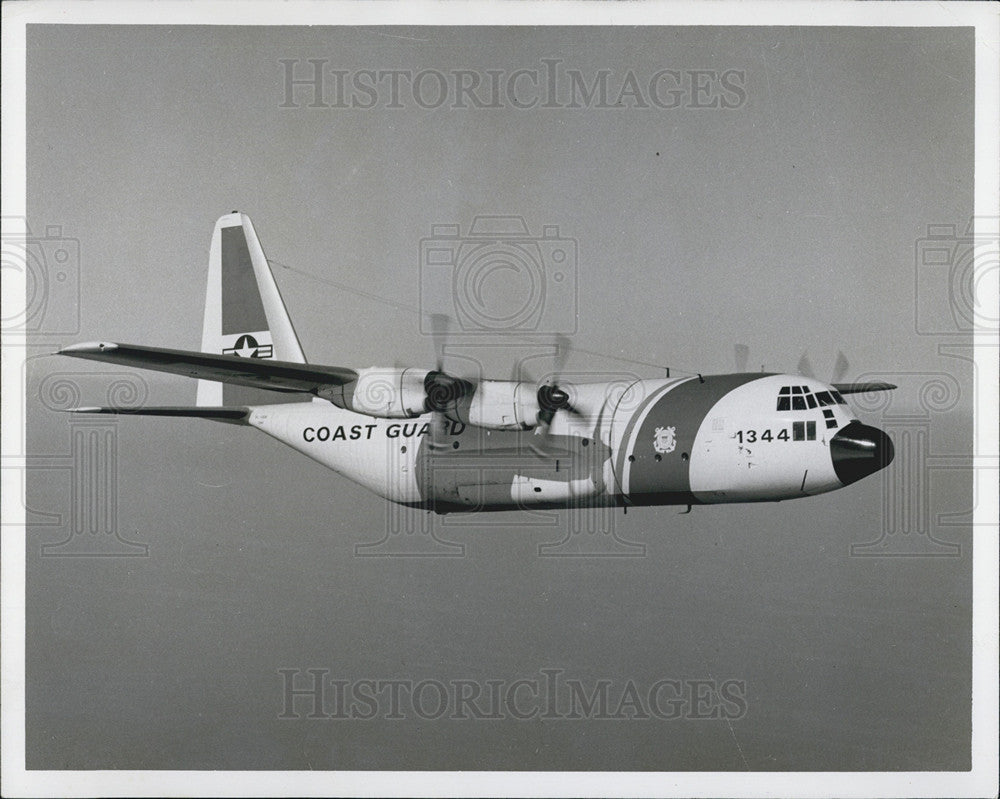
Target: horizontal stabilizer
<point x="255" y="372"/>
<point x="230" y="415"/>
<point x="861" y="388"/>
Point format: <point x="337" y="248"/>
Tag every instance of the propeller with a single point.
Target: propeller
<point x="443" y="390"/>
<point x="551" y="398"/>
<point x="840" y="367"/>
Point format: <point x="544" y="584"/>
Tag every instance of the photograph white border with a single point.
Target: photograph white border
<point x="980" y="781"/>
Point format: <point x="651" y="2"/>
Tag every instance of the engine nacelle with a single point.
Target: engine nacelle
<point x="403" y="394"/>
<point x="499" y="405"/>
<point x="386" y="393"/>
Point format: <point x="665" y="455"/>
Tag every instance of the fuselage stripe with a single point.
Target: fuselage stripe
<point x="632" y="430"/>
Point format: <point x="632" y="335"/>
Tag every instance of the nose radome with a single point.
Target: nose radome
<point x="859" y="450"/>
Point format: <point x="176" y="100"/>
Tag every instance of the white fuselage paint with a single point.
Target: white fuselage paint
<point x="373" y="458"/>
<point x="381" y="454"/>
<point x="726" y="469"/>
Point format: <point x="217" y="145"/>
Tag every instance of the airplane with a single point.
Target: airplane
<point x="429" y="439"/>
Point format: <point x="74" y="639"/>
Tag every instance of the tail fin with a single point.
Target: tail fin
<point x="244" y="313"/>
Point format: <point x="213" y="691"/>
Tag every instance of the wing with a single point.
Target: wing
<point x="227" y="414"/>
<point x="256" y="372"/>
<point x="860" y="388"/>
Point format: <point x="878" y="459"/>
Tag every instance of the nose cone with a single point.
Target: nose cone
<point x="858" y="451"/>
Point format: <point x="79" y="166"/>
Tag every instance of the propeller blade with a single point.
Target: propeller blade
<point x="545" y="418"/>
<point x="439" y="423"/>
<point x="562" y="346"/>
<point x="439" y="335"/>
<point x="805" y="367"/>
<point x="840" y="368"/>
<point x="742" y="352"/>
<point x="443" y="391"/>
<point x="541" y="442"/>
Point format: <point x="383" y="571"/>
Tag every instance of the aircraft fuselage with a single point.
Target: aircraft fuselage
<point x="720" y="438"/>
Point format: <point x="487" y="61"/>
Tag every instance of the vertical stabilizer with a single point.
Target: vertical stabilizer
<point x="244" y="314"/>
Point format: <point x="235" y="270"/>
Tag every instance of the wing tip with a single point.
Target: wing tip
<point x="87" y="348"/>
<point x="861" y="388"/>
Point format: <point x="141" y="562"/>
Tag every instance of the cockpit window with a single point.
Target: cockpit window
<point x="800" y="398"/>
<point x="840" y="399"/>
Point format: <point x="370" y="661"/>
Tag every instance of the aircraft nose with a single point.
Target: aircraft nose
<point x="859" y="450"/>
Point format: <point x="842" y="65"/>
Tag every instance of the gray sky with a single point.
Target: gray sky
<point x="786" y="224"/>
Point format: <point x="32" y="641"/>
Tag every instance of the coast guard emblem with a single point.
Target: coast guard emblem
<point x="664" y="441"/>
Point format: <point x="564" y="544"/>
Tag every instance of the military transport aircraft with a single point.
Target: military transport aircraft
<point x="430" y="439"/>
